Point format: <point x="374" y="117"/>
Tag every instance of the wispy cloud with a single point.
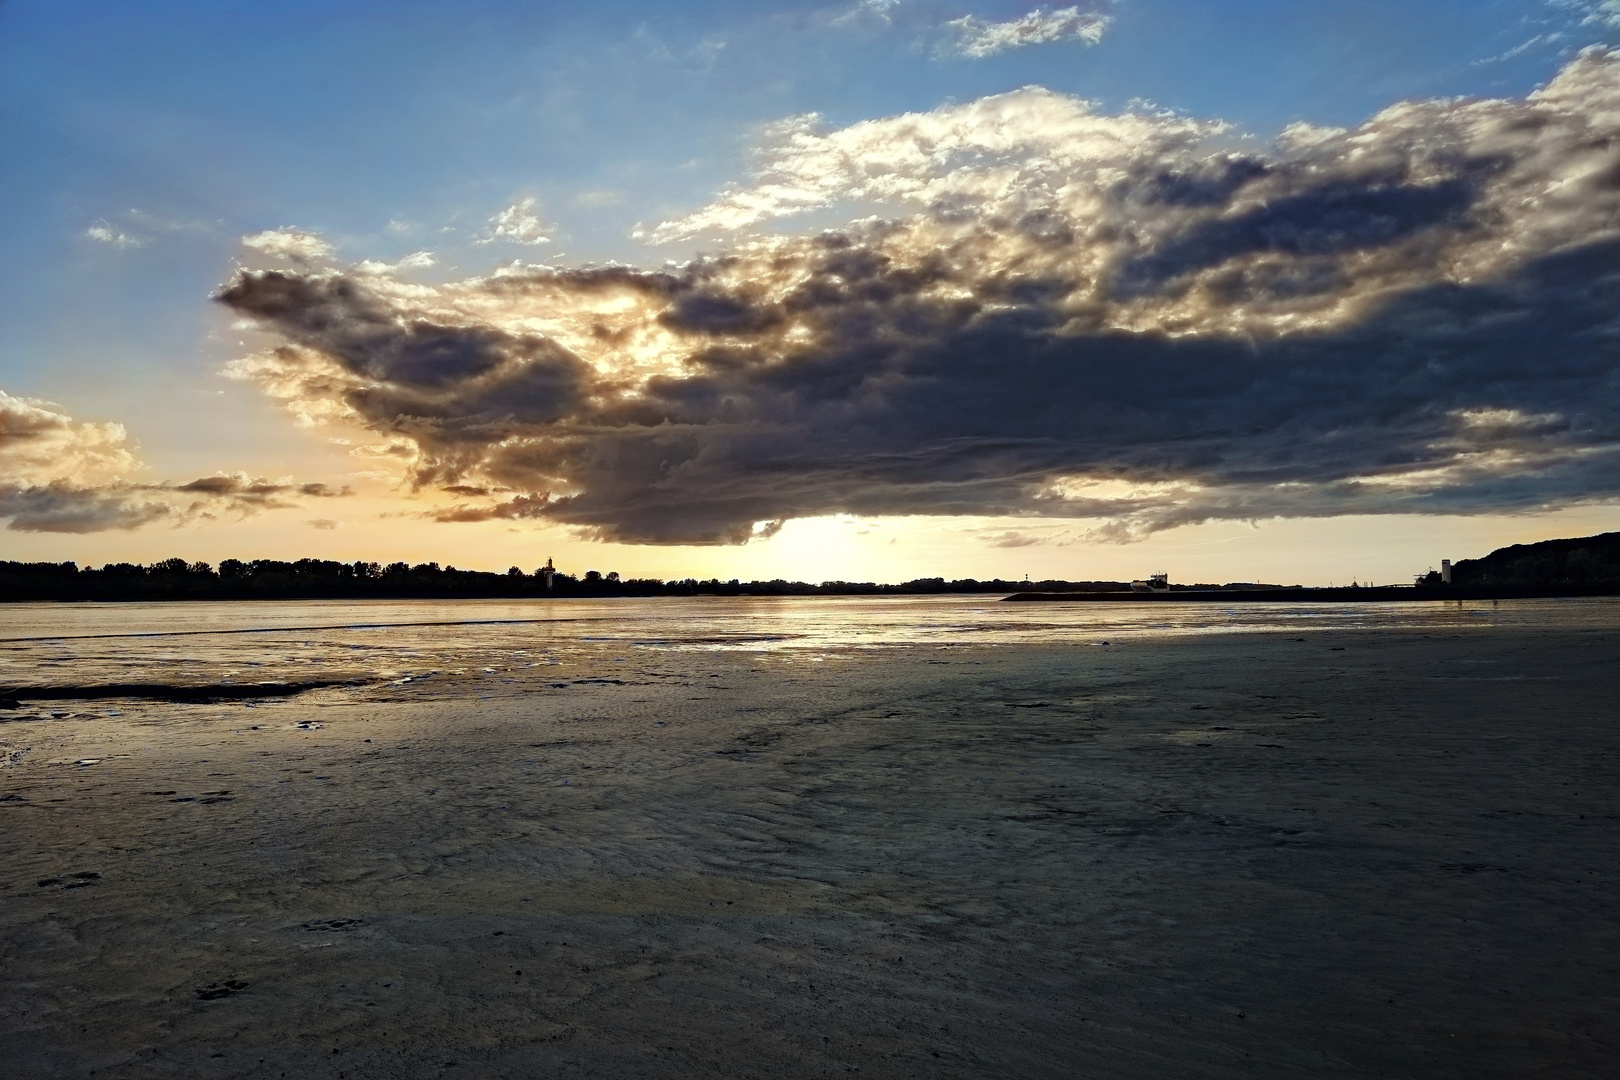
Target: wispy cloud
<point x="926" y="25"/>
<point x="598" y="197"/>
<point x="106" y="234"/>
<point x="1017" y="538"/>
<point x="694" y="56"/>
<point x="976" y="38"/>
<point x="867" y="11"/>
<point x="136" y="228"/>
<point x="1539" y="41"/>
<point x="1601" y="13"/>
<point x="1135" y="319"/>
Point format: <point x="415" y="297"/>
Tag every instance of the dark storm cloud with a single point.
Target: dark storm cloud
<point x="1097" y="317"/>
<point x="62" y="506"/>
<point x="1322" y="223"/>
<point x="243" y="490"/>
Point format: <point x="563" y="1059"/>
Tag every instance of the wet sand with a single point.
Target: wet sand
<point x="1359" y="854"/>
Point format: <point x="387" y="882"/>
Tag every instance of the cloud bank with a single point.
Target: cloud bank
<point x="60" y="475"/>
<point x="1140" y="319"/>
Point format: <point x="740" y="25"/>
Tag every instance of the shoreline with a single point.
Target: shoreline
<point x="1379" y="594"/>
<point x="1292" y="593"/>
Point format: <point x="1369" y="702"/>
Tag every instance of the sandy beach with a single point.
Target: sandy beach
<point x="1375" y="853"/>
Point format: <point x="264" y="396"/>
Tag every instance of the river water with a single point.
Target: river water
<point x="905" y="837"/>
<point x="206" y="643"/>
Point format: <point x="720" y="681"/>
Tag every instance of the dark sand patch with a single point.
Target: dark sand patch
<point x="171" y="692"/>
<point x="1402" y="865"/>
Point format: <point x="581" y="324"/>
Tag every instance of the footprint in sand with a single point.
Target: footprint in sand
<point x="214" y="991"/>
<point x="83" y="879"/>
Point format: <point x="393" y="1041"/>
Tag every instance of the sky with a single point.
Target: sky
<point x="861" y="290"/>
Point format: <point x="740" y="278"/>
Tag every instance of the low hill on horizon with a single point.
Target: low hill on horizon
<point x="1579" y="560"/>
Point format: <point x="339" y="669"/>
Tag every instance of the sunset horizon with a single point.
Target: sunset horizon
<point x="768" y="356"/>
<point x="927" y="539"/>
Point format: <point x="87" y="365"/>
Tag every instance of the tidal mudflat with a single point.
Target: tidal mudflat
<point x="810" y="838"/>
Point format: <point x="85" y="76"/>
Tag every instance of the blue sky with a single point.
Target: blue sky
<point x="145" y="140"/>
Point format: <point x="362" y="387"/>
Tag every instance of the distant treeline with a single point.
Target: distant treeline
<point x="1584" y="560"/>
<point x="269" y="579"/>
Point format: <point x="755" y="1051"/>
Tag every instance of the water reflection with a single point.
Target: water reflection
<point x="226" y="642"/>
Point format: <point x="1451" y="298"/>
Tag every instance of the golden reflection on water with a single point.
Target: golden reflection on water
<point x="260" y="641"/>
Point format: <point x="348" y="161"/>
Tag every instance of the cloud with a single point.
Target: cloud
<point x="138" y="228"/>
<point x="416" y="260"/>
<point x="517" y="224"/>
<point x="598" y="197"/>
<point x="294" y="244"/>
<point x="39" y="443"/>
<point x="1602" y="13"/>
<point x="1143" y="320"/>
<point x="1016" y="538"/>
<point x="62" y="475"/>
<point x="975" y="38"/>
<point x="646" y="45"/>
<point x="925" y="24"/>
<point x="106" y="234"/>
<point x="324" y="524"/>
<point x="246" y="491"/>
<point x="1011" y="153"/>
<point x="1538" y="41"/>
<point x="62" y="508"/>
<point x="867" y="12"/>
